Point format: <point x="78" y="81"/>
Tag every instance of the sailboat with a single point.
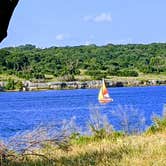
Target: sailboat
<point x="103" y="96"/>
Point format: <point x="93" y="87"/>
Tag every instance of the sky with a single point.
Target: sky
<point x="47" y="23"/>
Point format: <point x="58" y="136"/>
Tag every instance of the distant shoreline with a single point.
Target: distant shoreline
<point x="41" y="86"/>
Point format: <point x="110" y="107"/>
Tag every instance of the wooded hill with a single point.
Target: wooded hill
<point x="30" y="62"/>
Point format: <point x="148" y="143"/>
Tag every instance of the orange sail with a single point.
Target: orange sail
<point x="103" y="96"/>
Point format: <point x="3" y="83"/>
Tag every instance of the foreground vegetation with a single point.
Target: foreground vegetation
<point x="132" y="150"/>
<point x="83" y="62"/>
<point x="104" y="147"/>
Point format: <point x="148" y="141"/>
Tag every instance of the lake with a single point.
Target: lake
<point x="20" y="111"/>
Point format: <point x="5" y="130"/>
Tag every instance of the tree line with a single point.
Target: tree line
<point x="28" y="61"/>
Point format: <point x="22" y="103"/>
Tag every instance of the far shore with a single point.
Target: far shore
<point x="42" y="86"/>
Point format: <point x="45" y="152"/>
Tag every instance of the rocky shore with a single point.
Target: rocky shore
<point x="31" y="86"/>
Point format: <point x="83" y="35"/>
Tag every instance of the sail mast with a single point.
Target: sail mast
<point x="103" y="96"/>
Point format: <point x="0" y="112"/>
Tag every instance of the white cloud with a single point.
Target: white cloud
<point x="121" y="41"/>
<point x="87" y="43"/>
<point x="103" y="17"/>
<point x="61" y="36"/>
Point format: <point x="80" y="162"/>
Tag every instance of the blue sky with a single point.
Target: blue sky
<point x="79" y="22"/>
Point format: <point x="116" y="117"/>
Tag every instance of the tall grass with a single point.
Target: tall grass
<point x="65" y="145"/>
<point x="131" y="120"/>
<point x="159" y="123"/>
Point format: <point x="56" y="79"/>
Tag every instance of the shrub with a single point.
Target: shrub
<point x="159" y="124"/>
<point x="128" y="73"/>
<point x="10" y="85"/>
<point x="19" y="85"/>
<point x="129" y="119"/>
<point x="96" y="74"/>
<point x="67" y="77"/>
<point x="38" y="75"/>
<point x="99" y="125"/>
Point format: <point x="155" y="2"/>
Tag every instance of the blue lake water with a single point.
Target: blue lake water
<point x="20" y="111"/>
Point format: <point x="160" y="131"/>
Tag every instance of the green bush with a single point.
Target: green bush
<point x="10" y="85"/>
<point x="13" y="85"/>
<point x="96" y="74"/>
<point x="19" y="85"/>
<point x="67" y="77"/>
<point x="127" y="73"/>
<point x="159" y="124"/>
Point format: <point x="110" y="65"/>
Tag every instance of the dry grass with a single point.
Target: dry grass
<point x="112" y="149"/>
<point x="83" y="77"/>
<point x="5" y="77"/>
<point x="132" y="150"/>
<point x="140" y="77"/>
<point x="141" y="150"/>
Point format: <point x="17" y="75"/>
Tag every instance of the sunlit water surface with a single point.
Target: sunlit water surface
<point x="20" y="111"/>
